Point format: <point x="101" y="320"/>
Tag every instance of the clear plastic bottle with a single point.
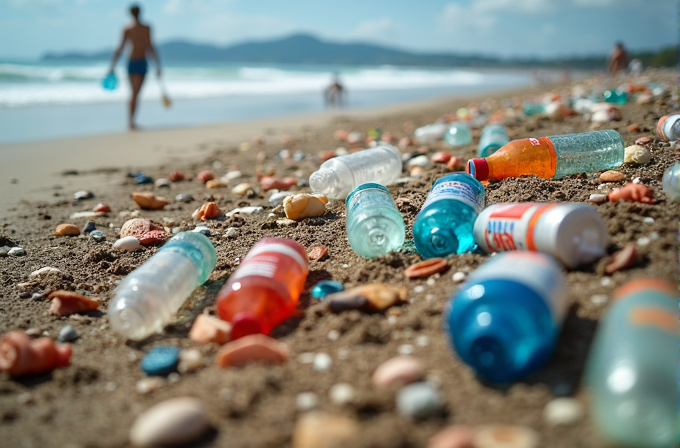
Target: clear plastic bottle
<point x="531" y="109"/>
<point x="671" y="182"/>
<point x="444" y="225"/>
<point x="336" y="177"/>
<point x="632" y="367"/>
<point x="505" y="319"/>
<point x="265" y="289"/>
<point x="552" y="157"/>
<point x="668" y="128"/>
<point x="458" y="134"/>
<point x="493" y="137"/>
<point x="430" y="133"/>
<point x="374" y="225"/>
<point x="149" y="296"/>
<point x="572" y="232"/>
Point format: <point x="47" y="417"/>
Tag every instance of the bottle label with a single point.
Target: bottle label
<point x="369" y="198"/>
<point x="458" y="191"/>
<point x="656" y="317"/>
<point x="512" y="226"/>
<point x="265" y="259"/>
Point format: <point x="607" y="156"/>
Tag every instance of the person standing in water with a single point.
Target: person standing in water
<point x="139" y="36"/>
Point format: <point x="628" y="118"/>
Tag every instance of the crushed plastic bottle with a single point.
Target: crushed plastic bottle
<point x="493" y="137"/>
<point x="149" y="296"/>
<point x="574" y="233"/>
<point x="336" y="177"/>
<point x="374" y="225"/>
<point x="668" y="128"/>
<point x="552" y="157"/>
<point x="265" y="288"/>
<point x="505" y="319"/>
<point x="110" y="82"/>
<point x="458" y="134"/>
<point x="632" y="368"/>
<point x="671" y="182"/>
<point x="430" y="133"/>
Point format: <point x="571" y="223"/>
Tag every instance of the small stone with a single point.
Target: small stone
<point x="162" y="183"/>
<point x="205" y="176"/>
<point x="633" y="192"/>
<point x="149" y="201"/>
<point x="257" y="347"/>
<point x="190" y="359"/>
<point x="643" y="241"/>
<point x="271" y="183"/>
<point x="373" y="297"/>
<point x="97" y="236"/>
<point x="612" y="176"/>
<point x="160" y="360"/>
<point x="441" y="157"/>
<point x="67" y="334"/>
<point x="563" y="411"/>
<point x="319" y="430"/>
<point x="318" y="252"/>
<point x="175" y="176"/>
<point x="231" y="232"/>
<point x="202" y="230"/>
<point x="65" y="303"/>
<point x="418" y="289"/>
<point x="42" y="271"/>
<point x="184" y="197"/>
<point x="67" y="230"/>
<point x="304" y="205"/>
<point x="422" y="340"/>
<point x="101" y="208"/>
<point x="206" y="329"/>
<point x="215" y="183"/>
<point x="242" y="189"/>
<point x="426" y="268"/>
<point x="405" y="349"/>
<point x="82" y="195"/>
<point x="637" y="154"/>
<point x="418" y="401"/>
<point x="505" y="436"/>
<point x="633" y="128"/>
<point x="306" y="358"/>
<point x="285" y="222"/>
<point x="243" y="210"/>
<point x="333" y="335"/>
<point x="231" y="175"/>
<point x="326" y="287"/>
<point x="606" y="281"/>
<point x="599" y="299"/>
<point x="89" y="227"/>
<point x="306" y="401"/>
<point x="398" y="372"/>
<point x="322" y="362"/>
<point x="278" y="197"/>
<point x="172" y="422"/>
<point x="643" y="141"/>
<point x="138" y="227"/>
<point x="456" y="436"/>
<point x="127" y="244"/>
<point x="342" y="394"/>
<point x="421" y="161"/>
<point x="459" y="277"/>
<point x="456" y="163"/>
<point x="150" y="384"/>
<point x="16" y="252"/>
<point x="622" y="259"/>
<point x="648" y="220"/>
<point x="597" y="198"/>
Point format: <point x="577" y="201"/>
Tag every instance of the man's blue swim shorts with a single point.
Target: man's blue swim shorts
<point x="137" y="67"/>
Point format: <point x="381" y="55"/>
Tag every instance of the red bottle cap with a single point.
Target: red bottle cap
<point x="478" y="168"/>
<point x="244" y="324"/>
<point x="659" y="127"/>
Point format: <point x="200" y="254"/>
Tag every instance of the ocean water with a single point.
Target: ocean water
<point x="49" y="100"/>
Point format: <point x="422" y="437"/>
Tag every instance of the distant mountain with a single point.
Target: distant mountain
<point x="307" y="49"/>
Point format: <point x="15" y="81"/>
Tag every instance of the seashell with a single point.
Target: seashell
<point x="427" y="268"/>
<point x="340" y="135"/>
<point x="495" y="436"/>
<point x="398" y="371"/>
<point x="317" y="429"/>
<point x="455" y="436"/>
<point x="456" y="164"/>
<point x="149" y="201"/>
<point x="643" y="141"/>
<point x="189" y="360"/>
<point x="278" y="197"/>
<point x="153" y="237"/>
<point x="418" y="400"/>
<point x="372" y="297"/>
<point x="243" y="210"/>
<point x="215" y="183"/>
<point x="82" y="195"/>
<point x="270" y="183"/>
<point x="318" y="252"/>
<point x="67" y="230"/>
<point x="101" y="208"/>
<point x="205" y="176"/>
<point x="441" y="157"/>
<point x="231" y="175"/>
<point x="177" y="421"/>
<point x="207" y="211"/>
<point x="16" y="251"/>
<point x="417" y="171"/>
<point x="127" y="244"/>
<point x="256" y="347"/>
<point x="303" y="205"/>
<point x="421" y="161"/>
<point x="162" y="183"/>
<point x="612" y="176"/>
<point x="19" y="355"/>
<point x="175" y="176"/>
<point x="137" y="227"/>
<point x="42" y="271"/>
<point x="68" y="302"/>
<point x="184" y="197"/>
<point x="597" y="198"/>
<point x="242" y="189"/>
<point x="637" y="154"/>
<point x="633" y="192"/>
<point x="622" y="259"/>
<point x="208" y="328"/>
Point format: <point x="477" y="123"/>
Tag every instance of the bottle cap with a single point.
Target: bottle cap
<point x="659" y="127"/>
<point x="245" y="324"/>
<point x="478" y="168"/>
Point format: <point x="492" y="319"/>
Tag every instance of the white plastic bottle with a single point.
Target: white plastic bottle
<point x="574" y="233"/>
<point x="149" y="296"/>
<point x="668" y="127"/>
<point x="337" y="177"/>
<point x="430" y="133"/>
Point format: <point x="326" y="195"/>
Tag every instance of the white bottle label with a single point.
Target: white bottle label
<point x="459" y="191"/>
<point x="262" y="262"/>
<point x="369" y="198"/>
<point x="511" y="226"/>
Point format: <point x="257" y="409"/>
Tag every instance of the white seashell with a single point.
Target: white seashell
<point x="42" y="271"/>
<point x="162" y="183"/>
<point x="127" y="244"/>
<point x="422" y="161"/>
<point x="190" y="359"/>
<point x="231" y="175"/>
<point x="16" y="251"/>
<point x="171" y="422"/>
<point x="563" y="411"/>
<point x="232" y="232"/>
<point x="243" y="210"/>
<point x="242" y="189"/>
<point x="202" y="229"/>
<point x="86" y="215"/>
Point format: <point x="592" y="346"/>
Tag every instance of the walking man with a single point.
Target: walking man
<point x="139" y="36"/>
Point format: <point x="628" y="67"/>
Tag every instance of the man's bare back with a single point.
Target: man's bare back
<point x="139" y="36"/>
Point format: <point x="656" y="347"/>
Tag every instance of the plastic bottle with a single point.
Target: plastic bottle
<point x="458" y="134"/>
<point x="264" y="290"/>
<point x="671" y="182"/>
<point x="618" y="96"/>
<point x="444" y="225"/>
<point x="552" y="157"/>
<point x="110" y="82"/>
<point x="632" y="367"/>
<point x="506" y="318"/>
<point x="149" y="296"/>
<point x="374" y="225"/>
<point x="574" y="233"/>
<point x="531" y="109"/>
<point x="668" y="128"/>
<point x="493" y="137"/>
<point x="338" y="176"/>
<point x="430" y="133"/>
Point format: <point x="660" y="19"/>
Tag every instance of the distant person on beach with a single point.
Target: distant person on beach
<point x="618" y="59"/>
<point x="139" y="35"/>
<point x="334" y="93"/>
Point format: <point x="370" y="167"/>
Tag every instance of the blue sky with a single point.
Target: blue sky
<point x="28" y="28"/>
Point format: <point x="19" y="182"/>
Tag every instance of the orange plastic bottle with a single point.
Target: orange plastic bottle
<point x="264" y="290"/>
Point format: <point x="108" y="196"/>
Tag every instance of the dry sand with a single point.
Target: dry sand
<point x="93" y="402"/>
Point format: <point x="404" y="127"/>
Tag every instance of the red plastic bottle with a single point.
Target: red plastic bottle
<point x="264" y="290"/>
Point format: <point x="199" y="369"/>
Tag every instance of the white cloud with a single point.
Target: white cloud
<point x="377" y="29"/>
<point x="183" y="7"/>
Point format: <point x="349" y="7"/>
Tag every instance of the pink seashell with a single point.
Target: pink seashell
<point x="153" y="237"/>
<point x="175" y="176"/>
<point x="256" y="347"/>
<point x="633" y="192"/>
<point x="101" y="208"/>
<point x="19" y="355"/>
<point x="441" y="157"/>
<point x="138" y="227"/>
<point x="208" y="328"/>
<point x="270" y="183"/>
<point x="205" y="176"/>
<point x="398" y="371"/>
<point x="457" y="436"/>
<point x="68" y="302"/>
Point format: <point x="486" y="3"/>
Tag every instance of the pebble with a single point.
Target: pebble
<point x="231" y="232"/>
<point x="459" y="277"/>
<point x="418" y="289"/>
<point x="326" y="287"/>
<point x="150" y="384"/>
<point x="171" y="422"/>
<point x="160" y="360"/>
<point x="306" y="401"/>
<point x="101" y="209"/>
<point x="421" y="161"/>
<point x="633" y="192"/>
<point x="456" y="436"/>
<point x="606" y="281"/>
<point x="422" y="341"/>
<point x="89" y="227"/>
<point x="505" y="436"/>
<point x="373" y="297"/>
<point x="320" y="430"/>
<point x="141" y="179"/>
<point x="162" y="183"/>
<point x="318" y="252"/>
<point x="149" y="201"/>
<point x="215" y="183"/>
<point x="304" y="205"/>
<point x="256" y="347"/>
<point x="597" y="198"/>
<point x="426" y="268"/>
<point x="97" y="236"/>
<point x="563" y="411"/>
<point x="441" y="157"/>
<point x="277" y="197"/>
<point x="82" y="195"/>
<point x="322" y="362"/>
<point x="599" y="299"/>
<point x="16" y="251"/>
<point x="405" y="349"/>
<point x="127" y="244"/>
<point x="67" y="230"/>
<point x="648" y="220"/>
<point x="637" y="154"/>
<point x="242" y="189"/>
<point x="612" y="176"/>
<point x="184" y="197"/>
<point x="206" y="329"/>
<point x="190" y="359"/>
<point x="643" y="141"/>
<point x="418" y="401"/>
<point x="205" y="176"/>
<point x="285" y="222"/>
<point x="333" y="335"/>
<point x="67" y="334"/>
<point x="207" y="211"/>
<point x="68" y="302"/>
<point x="622" y="259"/>
<point x="305" y="358"/>
<point x="341" y="394"/>
<point x="4" y="251"/>
<point x="41" y="271"/>
<point x="175" y="176"/>
<point x="642" y="241"/>
<point x="243" y="210"/>
<point x="398" y="371"/>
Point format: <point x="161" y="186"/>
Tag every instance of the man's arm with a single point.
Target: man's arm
<point x="153" y="53"/>
<point x="118" y="51"/>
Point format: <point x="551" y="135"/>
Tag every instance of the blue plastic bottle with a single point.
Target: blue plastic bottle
<point x="493" y="137"/>
<point x="506" y="318"/>
<point x="458" y="134"/>
<point x="110" y="82"/>
<point x="445" y="224"/>
<point x="617" y="96"/>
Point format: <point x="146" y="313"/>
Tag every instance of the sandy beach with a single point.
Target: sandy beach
<point x="94" y="401"/>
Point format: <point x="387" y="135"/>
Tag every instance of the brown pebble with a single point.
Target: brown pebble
<point x="208" y="328"/>
<point x="457" y="436"/>
<point x="68" y="302"/>
<point x="175" y="176"/>
<point x="67" y="230"/>
<point x="634" y="128"/>
<point x="319" y="430"/>
<point x="612" y="176"/>
<point x="426" y="268"/>
<point x="456" y="164"/>
<point x="441" y="157"/>
<point x="622" y="259"/>
<point x="149" y="201"/>
<point x="505" y="436"/>
<point x="643" y="141"/>
<point x="256" y="347"/>
<point x="318" y="252"/>
<point x="101" y="208"/>
<point x="417" y="171"/>
<point x="398" y="371"/>
<point x="215" y="183"/>
<point x="374" y="297"/>
<point x="205" y="176"/>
